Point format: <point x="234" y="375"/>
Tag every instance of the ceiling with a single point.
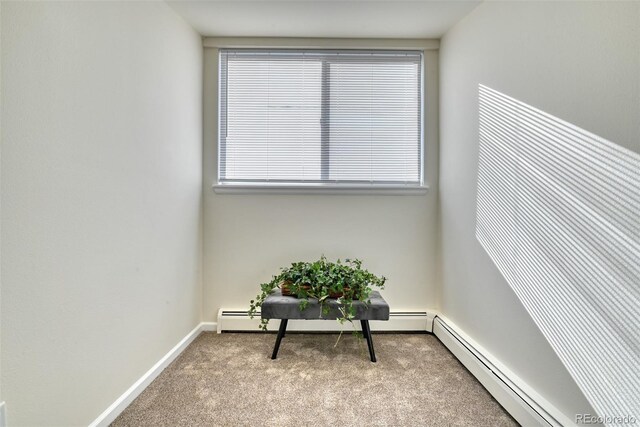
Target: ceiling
<point x="323" y="18"/>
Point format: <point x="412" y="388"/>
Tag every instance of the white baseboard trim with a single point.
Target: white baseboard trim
<point x="209" y="327"/>
<point x="112" y="412"/>
<point x="3" y="414"/>
<point x="519" y="399"/>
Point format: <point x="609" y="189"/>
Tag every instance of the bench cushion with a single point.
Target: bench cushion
<point x="278" y="306"/>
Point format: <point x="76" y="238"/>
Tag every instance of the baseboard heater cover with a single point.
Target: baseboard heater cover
<point x="399" y="321"/>
<point x="520" y="400"/>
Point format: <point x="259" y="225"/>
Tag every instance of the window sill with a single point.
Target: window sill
<point x="310" y="189"/>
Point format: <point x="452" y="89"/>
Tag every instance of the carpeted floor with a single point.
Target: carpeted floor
<point x="230" y="380"/>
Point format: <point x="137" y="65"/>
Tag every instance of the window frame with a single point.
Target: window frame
<point x="427" y="84"/>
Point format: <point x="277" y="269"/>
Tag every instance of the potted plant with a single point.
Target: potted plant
<point x="345" y="281"/>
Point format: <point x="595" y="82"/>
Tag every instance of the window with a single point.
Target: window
<point x="338" y="118"/>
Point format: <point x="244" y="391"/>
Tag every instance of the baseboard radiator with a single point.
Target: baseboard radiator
<point x="521" y="401"/>
<point x="399" y="321"/>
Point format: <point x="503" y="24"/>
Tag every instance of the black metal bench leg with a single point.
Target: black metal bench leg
<point x="366" y="331"/>
<point x="283" y="328"/>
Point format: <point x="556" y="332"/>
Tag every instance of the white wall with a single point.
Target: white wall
<point x="248" y="237"/>
<point x="577" y="61"/>
<point x="101" y="198"/>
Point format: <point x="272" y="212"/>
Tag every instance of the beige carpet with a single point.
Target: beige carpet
<point x="230" y="380"/>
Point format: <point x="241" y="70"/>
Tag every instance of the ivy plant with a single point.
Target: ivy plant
<point x="345" y="281"/>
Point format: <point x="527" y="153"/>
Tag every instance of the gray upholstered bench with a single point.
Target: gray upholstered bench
<point x="278" y="306"/>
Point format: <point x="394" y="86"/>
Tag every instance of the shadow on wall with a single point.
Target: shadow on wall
<point x="558" y="212"/>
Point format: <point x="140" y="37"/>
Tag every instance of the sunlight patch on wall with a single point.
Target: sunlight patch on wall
<point x="558" y="212"/>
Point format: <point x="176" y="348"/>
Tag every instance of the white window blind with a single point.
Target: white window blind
<point x="320" y="117"/>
